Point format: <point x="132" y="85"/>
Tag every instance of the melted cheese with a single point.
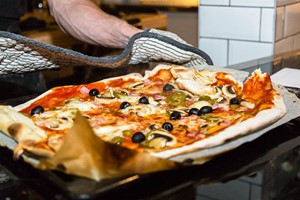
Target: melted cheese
<point x="143" y="110"/>
<point x="81" y="105"/>
<point x="195" y="87"/>
<point x="108" y="132"/>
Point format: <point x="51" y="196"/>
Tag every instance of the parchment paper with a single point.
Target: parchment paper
<point x="84" y="154"/>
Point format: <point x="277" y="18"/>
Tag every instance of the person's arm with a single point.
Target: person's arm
<point x="84" y="20"/>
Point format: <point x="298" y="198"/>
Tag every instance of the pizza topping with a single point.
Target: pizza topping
<point x="195" y="87"/>
<point x="160" y="139"/>
<point x="167" y="126"/>
<point x="58" y="123"/>
<point x="216" y="95"/>
<point x="37" y="110"/>
<point x="199" y="104"/>
<point x="205" y="110"/>
<point x="138" y="137"/>
<point x="93" y="92"/>
<point x="175" y="115"/>
<point x="228" y="91"/>
<point x="168" y="87"/>
<point x="127" y="133"/>
<point x="247" y="104"/>
<point x="120" y="93"/>
<point x="143" y="110"/>
<point x="234" y="101"/>
<point x="124" y="105"/>
<point x="221" y="100"/>
<point x="108" y="94"/>
<point x="176" y="99"/>
<point x="105" y="97"/>
<point x="144" y="100"/>
<point x="82" y="105"/>
<point x="194" y="111"/>
<point x="137" y="85"/>
<point x="117" y="140"/>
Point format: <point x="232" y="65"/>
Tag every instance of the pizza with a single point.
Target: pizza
<point x="170" y="111"/>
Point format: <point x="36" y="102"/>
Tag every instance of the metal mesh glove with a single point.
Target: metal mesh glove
<point x="19" y="54"/>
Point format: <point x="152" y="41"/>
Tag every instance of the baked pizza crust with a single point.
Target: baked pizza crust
<point x="262" y="119"/>
<point x="135" y="76"/>
<point x="16" y="126"/>
<point x="22" y="129"/>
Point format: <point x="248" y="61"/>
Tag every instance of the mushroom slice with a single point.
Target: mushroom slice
<point x="181" y="72"/>
<point x="195" y="87"/>
<point x="199" y="104"/>
<point x="58" y="123"/>
<point x="247" y="104"/>
<point x="160" y="139"/>
<point x="221" y="100"/>
<point x="105" y="97"/>
<point x="182" y="110"/>
<point x="107" y="94"/>
<point x="137" y="85"/>
<point x="218" y="93"/>
<point x="120" y="93"/>
<point x="228" y="91"/>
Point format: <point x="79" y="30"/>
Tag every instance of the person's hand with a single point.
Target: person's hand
<point x="154" y="45"/>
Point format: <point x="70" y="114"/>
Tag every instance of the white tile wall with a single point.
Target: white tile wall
<point x="241" y="51"/>
<point x="260" y="3"/>
<point x="292" y="19"/>
<point x="229" y="22"/>
<point x="214" y="2"/>
<point x="286" y="2"/>
<point x="267" y="25"/>
<point x="279" y="23"/>
<point x="184" y="24"/>
<point x="296" y="42"/>
<point x="250" y="28"/>
<point x="284" y="45"/>
<point x="216" y="49"/>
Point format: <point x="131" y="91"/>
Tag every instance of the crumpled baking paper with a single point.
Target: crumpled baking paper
<point x="84" y="154"/>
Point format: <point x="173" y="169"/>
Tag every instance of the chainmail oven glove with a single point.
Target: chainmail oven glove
<point x="19" y="54"/>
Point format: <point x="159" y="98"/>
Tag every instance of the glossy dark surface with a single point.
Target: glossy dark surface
<point x="275" y="156"/>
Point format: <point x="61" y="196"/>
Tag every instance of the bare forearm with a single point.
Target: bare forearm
<point x="85" y="21"/>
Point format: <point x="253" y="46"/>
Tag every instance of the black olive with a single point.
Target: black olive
<point x="37" y="110"/>
<point x="138" y="137"/>
<point x="175" y="115"/>
<point x="167" y="126"/>
<point x="94" y="92"/>
<point x="168" y="87"/>
<point x="144" y="100"/>
<point x="194" y="111"/>
<point x="124" y="105"/>
<point x="234" y="101"/>
<point x="205" y="110"/>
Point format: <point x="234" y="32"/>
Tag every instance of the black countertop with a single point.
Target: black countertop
<point x="270" y="163"/>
